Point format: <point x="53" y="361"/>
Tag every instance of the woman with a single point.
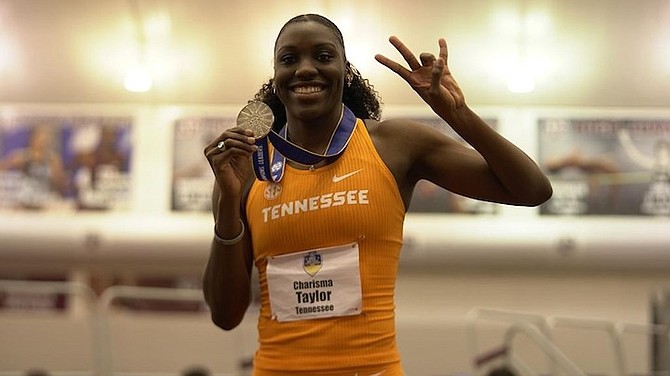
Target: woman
<point x="326" y="238"/>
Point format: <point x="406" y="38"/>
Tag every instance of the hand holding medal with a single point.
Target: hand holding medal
<point x="255" y="116"/>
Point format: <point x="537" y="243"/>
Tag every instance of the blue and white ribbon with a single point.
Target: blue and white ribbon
<point x="269" y="168"/>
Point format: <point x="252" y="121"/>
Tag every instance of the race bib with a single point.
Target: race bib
<point x="315" y="284"/>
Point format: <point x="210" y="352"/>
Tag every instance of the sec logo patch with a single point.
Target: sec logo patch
<point x="272" y="191"/>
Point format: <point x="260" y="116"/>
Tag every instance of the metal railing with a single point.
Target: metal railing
<point x="558" y="358"/>
<point x="114" y="293"/>
<point x="74" y="291"/>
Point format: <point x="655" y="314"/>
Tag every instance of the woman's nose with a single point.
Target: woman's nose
<point x="306" y="68"/>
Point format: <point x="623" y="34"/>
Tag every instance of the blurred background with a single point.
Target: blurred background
<point x="106" y="106"/>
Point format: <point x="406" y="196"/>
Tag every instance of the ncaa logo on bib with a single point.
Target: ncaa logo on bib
<point x="272" y="191"/>
<point x="312" y="263"/>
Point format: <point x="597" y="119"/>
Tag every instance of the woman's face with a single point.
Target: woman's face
<point x="309" y="66"/>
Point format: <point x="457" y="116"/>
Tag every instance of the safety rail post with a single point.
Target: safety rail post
<point x="608" y="327"/>
<point x="545" y="344"/>
<point x="510" y="316"/>
<point x="113" y="293"/>
<point x="622" y="328"/>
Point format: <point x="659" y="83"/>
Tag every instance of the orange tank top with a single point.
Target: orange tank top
<point x="352" y="200"/>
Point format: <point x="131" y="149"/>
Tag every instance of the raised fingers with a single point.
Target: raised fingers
<point x="392" y="65"/>
<point x="405" y="52"/>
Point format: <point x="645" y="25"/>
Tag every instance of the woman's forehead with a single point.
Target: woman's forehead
<point x="298" y="33"/>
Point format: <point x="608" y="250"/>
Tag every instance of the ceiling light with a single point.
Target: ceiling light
<point x="138" y="80"/>
<point x="521" y="80"/>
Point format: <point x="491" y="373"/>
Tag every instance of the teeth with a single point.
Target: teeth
<point x="307" y="89"/>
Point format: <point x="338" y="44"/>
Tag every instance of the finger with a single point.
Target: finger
<point x="219" y="148"/>
<point x="236" y="133"/>
<point x="247" y="144"/>
<point x="209" y="151"/>
<point x="392" y="65"/>
<point x="231" y="139"/>
<point x="227" y="152"/>
<point x="405" y="52"/>
<point x="427" y="59"/>
<point x="436" y="77"/>
<point x="443" y="50"/>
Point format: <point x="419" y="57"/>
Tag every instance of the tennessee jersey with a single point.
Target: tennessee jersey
<point x="327" y="244"/>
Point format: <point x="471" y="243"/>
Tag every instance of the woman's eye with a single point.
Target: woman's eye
<point x="287" y="59"/>
<point x="324" y="57"/>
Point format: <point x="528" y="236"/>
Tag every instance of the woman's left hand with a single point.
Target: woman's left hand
<point x="430" y="78"/>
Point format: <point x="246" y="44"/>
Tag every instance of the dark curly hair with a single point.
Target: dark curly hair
<point x="358" y="94"/>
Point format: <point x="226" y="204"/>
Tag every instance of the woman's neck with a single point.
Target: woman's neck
<point x="314" y="134"/>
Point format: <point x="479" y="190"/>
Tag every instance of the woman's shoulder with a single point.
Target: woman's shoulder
<point x="399" y="144"/>
<point x="399" y="129"/>
<point x="396" y="138"/>
<point x="387" y="126"/>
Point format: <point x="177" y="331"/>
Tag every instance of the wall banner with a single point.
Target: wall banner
<point x="192" y="177"/>
<point x="65" y="163"/>
<point x="606" y="166"/>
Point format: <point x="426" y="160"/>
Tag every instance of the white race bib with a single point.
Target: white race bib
<point x="314" y="284"/>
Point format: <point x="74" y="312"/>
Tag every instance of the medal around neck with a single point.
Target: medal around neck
<point x="271" y="167"/>
<point x="256" y="116"/>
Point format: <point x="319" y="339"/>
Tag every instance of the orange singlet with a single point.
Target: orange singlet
<point x="327" y="244"/>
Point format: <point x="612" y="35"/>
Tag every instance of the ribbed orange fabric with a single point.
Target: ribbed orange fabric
<point x="372" y="214"/>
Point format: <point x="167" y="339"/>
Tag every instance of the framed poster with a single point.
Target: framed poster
<point x="606" y="166"/>
<point x="65" y="162"/>
<point x="192" y="177"/>
<point x="430" y="198"/>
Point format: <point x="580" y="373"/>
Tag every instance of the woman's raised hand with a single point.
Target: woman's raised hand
<point x="229" y="157"/>
<point x="429" y="76"/>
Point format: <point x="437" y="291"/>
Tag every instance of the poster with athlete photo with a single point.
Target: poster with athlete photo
<point x="606" y="166"/>
<point x="430" y="198"/>
<point x="65" y="163"/>
<point x="192" y="177"/>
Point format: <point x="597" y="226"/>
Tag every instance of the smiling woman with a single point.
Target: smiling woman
<point x="341" y="221"/>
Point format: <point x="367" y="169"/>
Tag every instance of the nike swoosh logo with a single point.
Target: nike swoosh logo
<point x="340" y="178"/>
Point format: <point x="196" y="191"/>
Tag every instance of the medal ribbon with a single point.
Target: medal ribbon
<point x="283" y="148"/>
